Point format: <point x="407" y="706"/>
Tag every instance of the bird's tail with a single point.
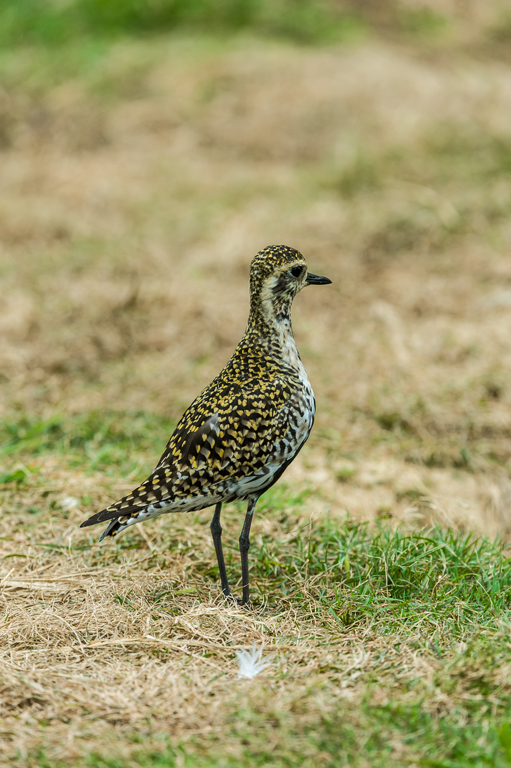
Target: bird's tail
<point x="111" y="530"/>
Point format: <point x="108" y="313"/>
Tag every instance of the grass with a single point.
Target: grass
<point x="338" y="743"/>
<point x="143" y="163"/>
<point x="51" y="23"/>
<point x="411" y="653"/>
<point x="111" y="441"/>
<point x="409" y="663"/>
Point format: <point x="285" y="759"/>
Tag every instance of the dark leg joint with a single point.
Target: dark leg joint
<point x="215" y="527"/>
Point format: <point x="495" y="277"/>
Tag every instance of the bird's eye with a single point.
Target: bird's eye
<point x="297" y="271"/>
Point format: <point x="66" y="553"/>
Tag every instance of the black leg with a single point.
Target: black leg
<point x="244" y="547"/>
<point x="216" y="532"/>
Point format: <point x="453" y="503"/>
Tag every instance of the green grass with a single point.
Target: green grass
<point x="333" y="740"/>
<point x="368" y="575"/>
<point x="113" y="441"/>
<point x="49" y="22"/>
<point x="437" y="584"/>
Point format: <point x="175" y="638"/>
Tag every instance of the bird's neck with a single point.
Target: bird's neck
<point x="270" y="320"/>
<point x="269" y="329"/>
<point x="270" y="313"/>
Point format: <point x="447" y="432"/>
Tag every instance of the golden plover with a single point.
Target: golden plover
<point x="243" y="430"/>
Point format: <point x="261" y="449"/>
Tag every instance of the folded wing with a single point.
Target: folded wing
<point x="209" y="452"/>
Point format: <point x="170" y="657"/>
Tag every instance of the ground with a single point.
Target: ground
<point x="139" y="175"/>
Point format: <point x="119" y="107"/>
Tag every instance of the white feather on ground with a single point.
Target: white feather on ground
<point x="251" y="662"/>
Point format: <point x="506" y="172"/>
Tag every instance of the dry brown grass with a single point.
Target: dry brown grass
<point x="102" y="649"/>
<point x="132" y="199"/>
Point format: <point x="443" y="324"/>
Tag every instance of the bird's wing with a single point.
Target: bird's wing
<point x="220" y="439"/>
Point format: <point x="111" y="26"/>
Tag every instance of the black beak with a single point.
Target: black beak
<point x="316" y="280"/>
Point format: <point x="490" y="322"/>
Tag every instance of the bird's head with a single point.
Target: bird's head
<point x="277" y="274"/>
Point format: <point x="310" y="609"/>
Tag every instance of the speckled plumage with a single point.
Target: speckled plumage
<point x="243" y="430"/>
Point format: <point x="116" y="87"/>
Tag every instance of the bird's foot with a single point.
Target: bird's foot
<point x="237" y="601"/>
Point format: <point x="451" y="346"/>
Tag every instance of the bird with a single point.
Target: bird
<point x="244" y="429"/>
